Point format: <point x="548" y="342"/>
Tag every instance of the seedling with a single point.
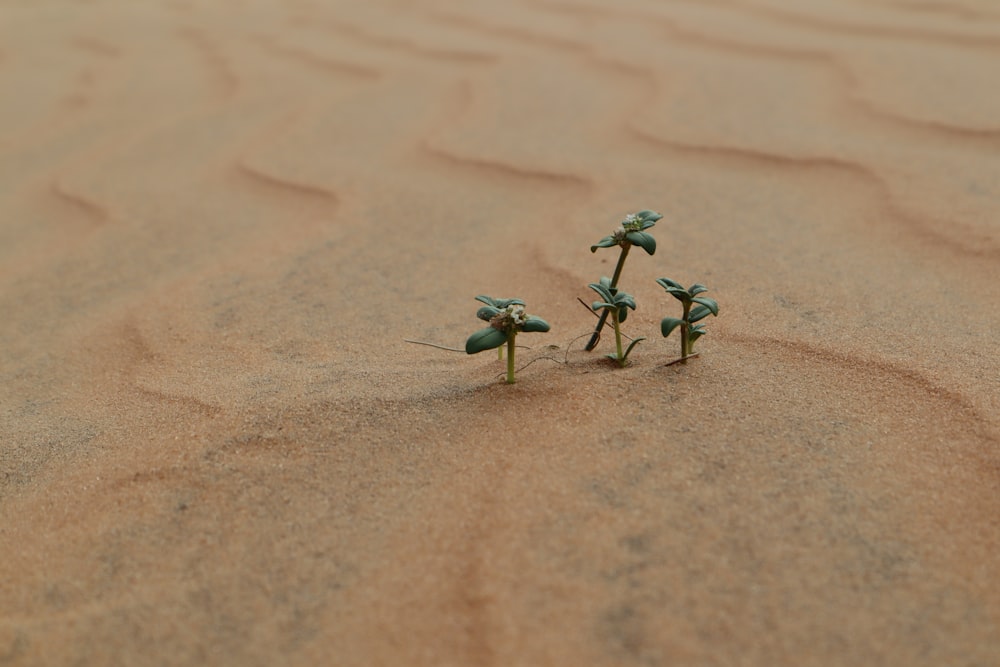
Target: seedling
<point x="616" y="304"/>
<point x="631" y="232"/>
<point x="495" y="304"/>
<point x="702" y="308"/>
<point x="506" y="317"/>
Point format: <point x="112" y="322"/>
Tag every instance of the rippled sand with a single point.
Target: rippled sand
<point x="221" y="222"/>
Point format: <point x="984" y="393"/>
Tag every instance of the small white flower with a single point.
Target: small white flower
<point x="516" y="313"/>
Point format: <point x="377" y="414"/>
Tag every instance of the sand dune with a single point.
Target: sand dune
<point x="223" y="221"/>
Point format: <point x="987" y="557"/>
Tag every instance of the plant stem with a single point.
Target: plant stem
<point x="500" y="353"/>
<point x="614" y="283"/>
<point x="510" y="356"/>
<point x="618" y="338"/>
<point x="685" y="345"/>
<point x="620" y="265"/>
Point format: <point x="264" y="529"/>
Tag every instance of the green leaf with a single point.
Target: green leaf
<point x="633" y="344"/>
<point x="485" y="339"/>
<point x="487" y="313"/>
<point x="643" y="240"/>
<point x="622" y="314"/>
<point x="502" y="304"/>
<point x="699" y="313"/>
<point x="667" y="283"/>
<point x="668" y="324"/>
<point x="606" y="242"/>
<point x="597" y="305"/>
<point x="648" y="216"/>
<point x="711" y="304"/>
<point x="498" y="303"/>
<point x="623" y="299"/>
<point x="681" y="296"/>
<point x="675" y="290"/>
<point x="696" y="332"/>
<point x="533" y="323"/>
<point x="697" y="289"/>
<point x="603" y="291"/>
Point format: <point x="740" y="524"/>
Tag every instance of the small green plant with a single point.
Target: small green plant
<point x="632" y="231"/>
<point x="506" y="317"/>
<point x="696" y="308"/>
<point x="616" y="304"/>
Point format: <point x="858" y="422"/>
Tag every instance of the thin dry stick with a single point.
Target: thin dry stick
<point x="440" y="347"/>
<point x="587" y="306"/>
<point x="680" y="359"/>
<point x="570" y="344"/>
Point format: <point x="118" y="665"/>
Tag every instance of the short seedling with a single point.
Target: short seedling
<point x="616" y="304"/>
<point x="506" y="317"/>
<point x="631" y="232"/>
<point x="703" y="307"/>
<point x="495" y="304"/>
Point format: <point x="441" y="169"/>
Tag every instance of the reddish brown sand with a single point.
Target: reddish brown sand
<point x="221" y="221"/>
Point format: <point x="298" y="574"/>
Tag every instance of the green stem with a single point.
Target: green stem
<point x="500" y="353"/>
<point x="620" y="265"/>
<point x="510" y="356"/>
<point x="618" y="338"/>
<point x="685" y="345"/>
<point x="614" y="283"/>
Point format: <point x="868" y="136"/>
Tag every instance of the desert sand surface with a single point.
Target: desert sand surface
<point x="220" y="222"/>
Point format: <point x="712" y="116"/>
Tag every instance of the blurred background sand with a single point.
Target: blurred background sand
<point x="220" y="221"/>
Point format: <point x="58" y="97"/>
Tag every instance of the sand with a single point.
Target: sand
<point x="222" y="221"/>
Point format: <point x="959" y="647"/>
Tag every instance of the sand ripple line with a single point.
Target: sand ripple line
<point x="325" y="63"/>
<point x="969" y="243"/>
<point x="958" y="407"/>
<point x="168" y="475"/>
<point x="406" y="46"/>
<point x="227" y="80"/>
<point x="133" y="352"/>
<point x="280" y="185"/>
<point x="488" y="166"/>
<point x="498" y="169"/>
<point x="881" y="32"/>
<point x="972" y="137"/>
<point x="938" y="8"/>
<point x="79" y="206"/>
<point x="751" y="155"/>
<point x="187" y="404"/>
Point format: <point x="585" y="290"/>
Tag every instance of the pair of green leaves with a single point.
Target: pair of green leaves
<point x="696" y="308"/>
<point x="632" y="232"/>
<point x="506" y="318"/>
<point x="612" y="298"/>
<point x="493" y="306"/>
